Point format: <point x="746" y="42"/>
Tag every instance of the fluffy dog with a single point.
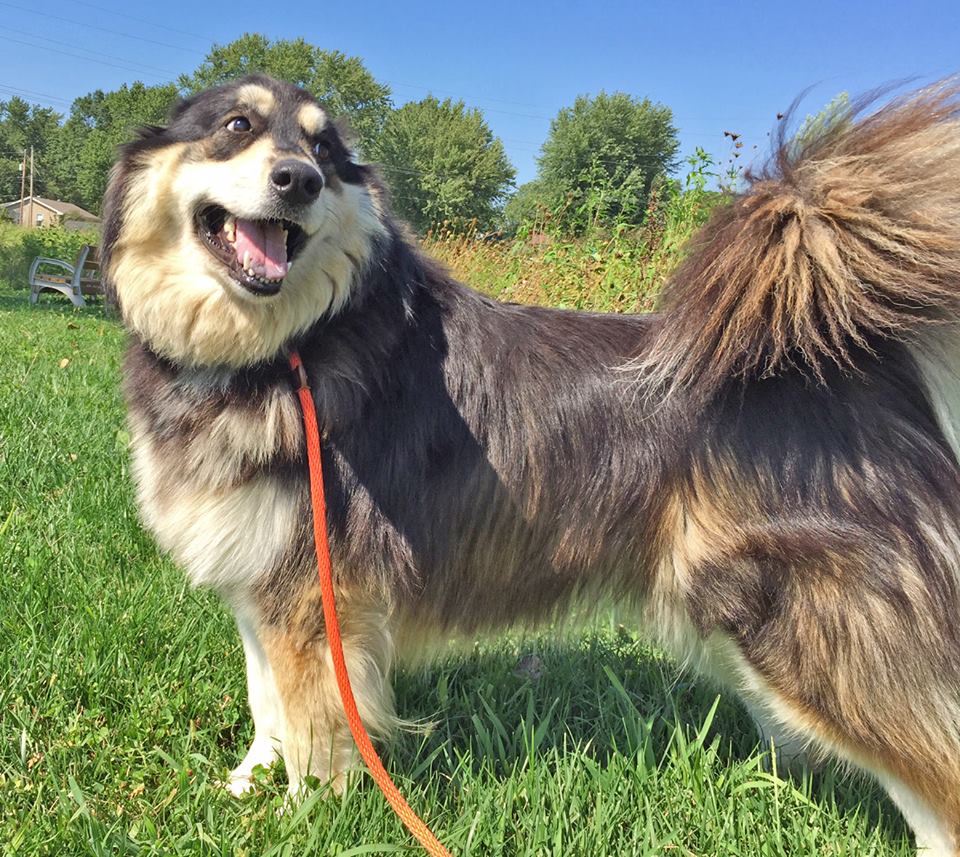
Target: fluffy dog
<point x="767" y="467"/>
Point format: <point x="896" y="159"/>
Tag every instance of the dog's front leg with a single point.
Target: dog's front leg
<point x="316" y="739"/>
<point x="265" y="706"/>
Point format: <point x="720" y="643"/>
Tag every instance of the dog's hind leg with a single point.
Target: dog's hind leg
<point x="919" y="774"/>
<point x="792" y="749"/>
<point x="265" y="707"/>
<point x="316" y="739"/>
<point x="867" y="677"/>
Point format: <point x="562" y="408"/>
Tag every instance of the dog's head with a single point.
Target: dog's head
<point x="238" y="225"/>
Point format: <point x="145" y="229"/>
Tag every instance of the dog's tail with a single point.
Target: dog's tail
<point x="850" y="234"/>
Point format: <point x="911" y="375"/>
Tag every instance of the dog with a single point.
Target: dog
<point x="767" y="466"/>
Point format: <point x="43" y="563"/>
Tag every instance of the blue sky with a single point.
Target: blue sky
<point x="719" y="66"/>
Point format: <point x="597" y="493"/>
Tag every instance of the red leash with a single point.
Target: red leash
<point x="411" y="820"/>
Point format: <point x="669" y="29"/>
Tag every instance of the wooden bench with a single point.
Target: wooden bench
<point x="76" y="281"/>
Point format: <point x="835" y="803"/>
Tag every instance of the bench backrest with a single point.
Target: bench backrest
<point x="87" y="267"/>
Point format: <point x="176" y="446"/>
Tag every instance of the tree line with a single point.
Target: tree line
<point x="442" y="163"/>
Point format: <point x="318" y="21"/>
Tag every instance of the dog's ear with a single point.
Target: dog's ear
<point x="350" y="163"/>
<point x="348" y="137"/>
<point x="180" y="106"/>
<point x="148" y="132"/>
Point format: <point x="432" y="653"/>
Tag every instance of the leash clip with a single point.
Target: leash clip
<point x="296" y="366"/>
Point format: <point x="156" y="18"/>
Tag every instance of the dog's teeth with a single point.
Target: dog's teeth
<point x="230" y="228"/>
<point x="246" y="262"/>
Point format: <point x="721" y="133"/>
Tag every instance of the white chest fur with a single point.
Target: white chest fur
<point x="224" y="535"/>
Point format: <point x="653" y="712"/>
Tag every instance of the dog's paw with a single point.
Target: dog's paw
<point x="238" y="785"/>
<point x="299" y="790"/>
<point x="243" y="780"/>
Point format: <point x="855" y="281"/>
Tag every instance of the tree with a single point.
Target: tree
<point x="23" y="125"/>
<point x="601" y="159"/>
<point x="443" y="164"/>
<point x="341" y="83"/>
<point x="86" y="145"/>
<point x="527" y="206"/>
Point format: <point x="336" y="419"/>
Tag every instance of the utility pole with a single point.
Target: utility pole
<point x="32" y="222"/>
<point x="23" y="180"/>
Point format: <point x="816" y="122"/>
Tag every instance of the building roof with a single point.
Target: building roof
<point x="64" y="209"/>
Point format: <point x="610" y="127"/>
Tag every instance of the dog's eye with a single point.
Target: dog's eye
<point x="240" y="124"/>
<point x="322" y="151"/>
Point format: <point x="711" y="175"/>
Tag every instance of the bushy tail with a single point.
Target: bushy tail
<point x="849" y="235"/>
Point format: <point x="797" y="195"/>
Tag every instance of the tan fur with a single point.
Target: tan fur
<point x="206" y="526"/>
<point x="312" y="118"/>
<point x="858" y="658"/>
<point x="853" y="233"/>
<point x="316" y="739"/>
<point x="258" y="97"/>
<point x="922" y="780"/>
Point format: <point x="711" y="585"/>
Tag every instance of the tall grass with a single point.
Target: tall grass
<point x="609" y="269"/>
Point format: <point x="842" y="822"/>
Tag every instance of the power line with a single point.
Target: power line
<point x="394" y="84"/>
<point x="33" y="97"/>
<point x="47" y="16"/>
<point x="132" y="63"/>
<point x="143" y="21"/>
<point x="126" y="68"/>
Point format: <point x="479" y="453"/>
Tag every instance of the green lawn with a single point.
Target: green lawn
<point x="122" y="691"/>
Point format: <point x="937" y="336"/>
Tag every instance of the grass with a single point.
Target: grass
<point x="608" y="270"/>
<point x="122" y="690"/>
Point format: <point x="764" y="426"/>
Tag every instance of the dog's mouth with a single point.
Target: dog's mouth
<point x="256" y="253"/>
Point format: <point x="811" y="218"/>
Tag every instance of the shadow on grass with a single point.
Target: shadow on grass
<point x="603" y="695"/>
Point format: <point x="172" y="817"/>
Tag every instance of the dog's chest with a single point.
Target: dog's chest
<point x="209" y="486"/>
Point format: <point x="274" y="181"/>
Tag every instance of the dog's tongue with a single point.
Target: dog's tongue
<point x="267" y="246"/>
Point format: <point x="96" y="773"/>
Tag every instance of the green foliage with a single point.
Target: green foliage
<point x="443" y="164"/>
<point x="86" y="145"/>
<point x="341" y="83"/>
<point x="19" y="247"/>
<point x="23" y="125"/>
<point x="620" y="269"/>
<point x="833" y="119"/>
<point x="526" y="209"/>
<point x="601" y="160"/>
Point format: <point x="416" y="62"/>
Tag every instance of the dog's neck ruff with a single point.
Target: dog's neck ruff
<point x="410" y="819"/>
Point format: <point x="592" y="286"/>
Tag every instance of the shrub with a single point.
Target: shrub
<point x="620" y="269"/>
<point x="19" y="247"/>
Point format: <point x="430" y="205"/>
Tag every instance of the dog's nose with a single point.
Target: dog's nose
<point x="296" y="182"/>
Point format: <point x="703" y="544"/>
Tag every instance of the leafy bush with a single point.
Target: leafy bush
<point x="620" y="269"/>
<point x="19" y="247"/>
<point x="443" y="163"/>
<point x="600" y="163"/>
